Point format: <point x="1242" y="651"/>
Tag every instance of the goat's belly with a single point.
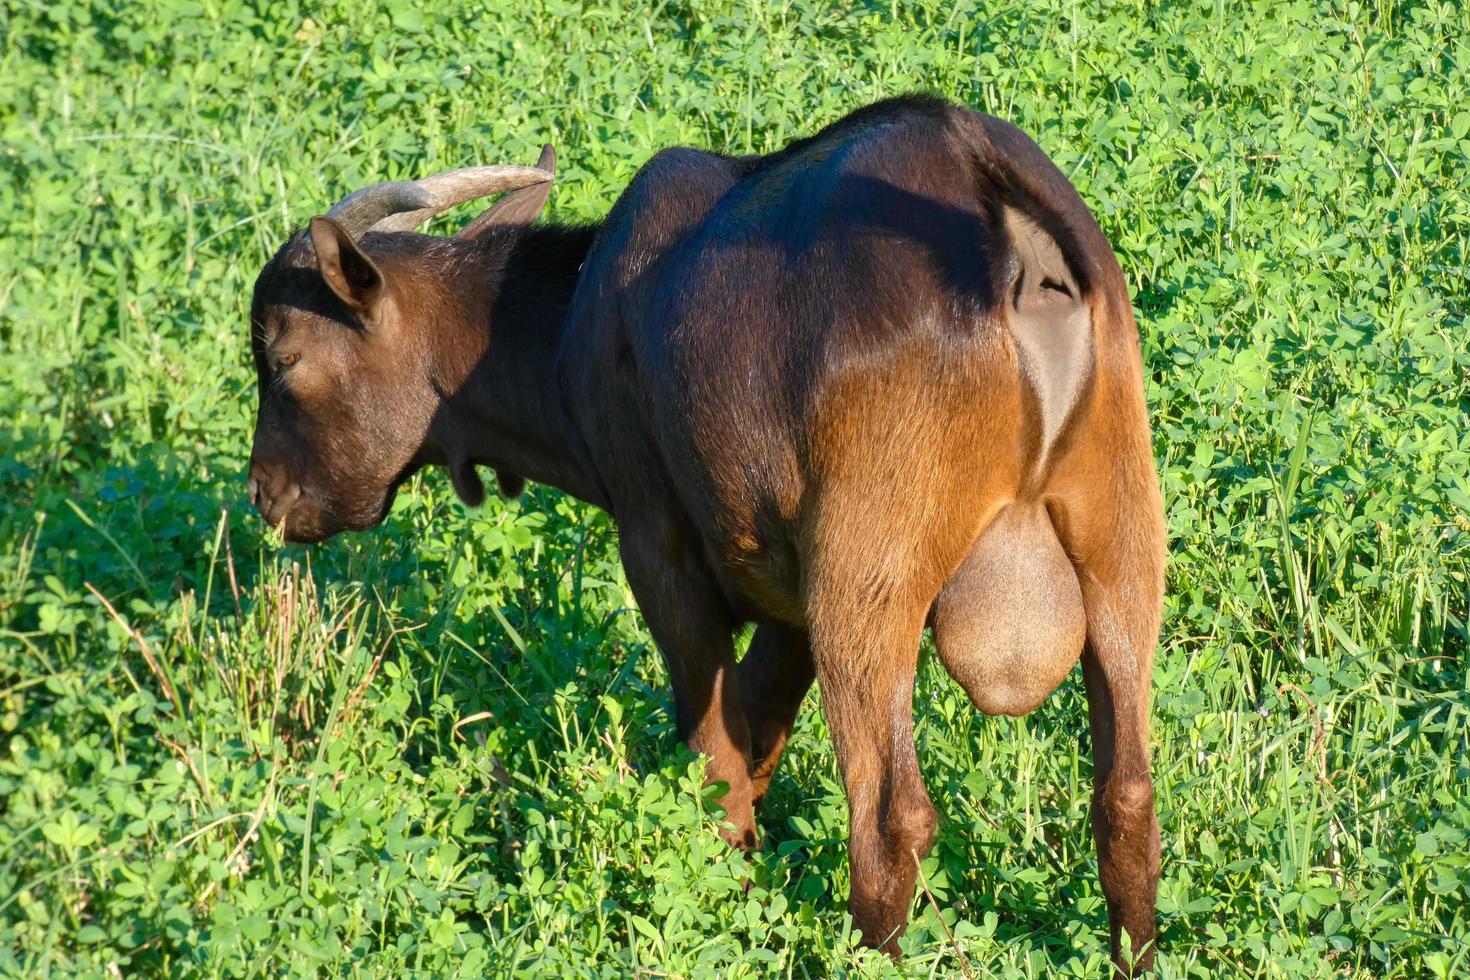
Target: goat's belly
<point x="1009" y="624"/>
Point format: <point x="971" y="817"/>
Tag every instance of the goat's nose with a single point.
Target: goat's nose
<point x="252" y="490"/>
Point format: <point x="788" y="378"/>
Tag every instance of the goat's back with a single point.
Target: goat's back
<point x="844" y="319"/>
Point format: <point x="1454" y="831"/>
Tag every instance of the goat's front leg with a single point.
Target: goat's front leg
<point x="774" y="677"/>
<point x="692" y="625"/>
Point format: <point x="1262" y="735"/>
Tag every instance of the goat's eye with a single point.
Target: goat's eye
<point x="286" y="360"/>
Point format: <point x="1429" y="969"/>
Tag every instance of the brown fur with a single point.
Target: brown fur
<point x="886" y="377"/>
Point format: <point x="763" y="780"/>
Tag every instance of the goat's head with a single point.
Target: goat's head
<point x="347" y="355"/>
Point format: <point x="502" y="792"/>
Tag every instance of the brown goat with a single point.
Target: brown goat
<point x="887" y="377"/>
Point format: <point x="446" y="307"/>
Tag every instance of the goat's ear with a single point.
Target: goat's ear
<point x="350" y="273"/>
<point x="518" y="207"/>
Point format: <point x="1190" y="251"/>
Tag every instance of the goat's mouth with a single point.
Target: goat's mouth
<point x="303" y="517"/>
<point x="315" y="518"/>
<point x="305" y="521"/>
<point x="306" y="531"/>
<point x="306" y="512"/>
<point x="309" y="521"/>
<point x="274" y="502"/>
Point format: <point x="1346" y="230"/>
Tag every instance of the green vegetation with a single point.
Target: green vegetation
<point x="447" y="744"/>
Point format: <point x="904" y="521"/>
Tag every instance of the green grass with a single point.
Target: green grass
<point x="447" y="744"/>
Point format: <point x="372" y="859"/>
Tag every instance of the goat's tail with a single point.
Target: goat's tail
<point x="1059" y="286"/>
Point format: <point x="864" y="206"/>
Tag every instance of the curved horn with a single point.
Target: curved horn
<point x="518" y="207"/>
<point x="402" y="206"/>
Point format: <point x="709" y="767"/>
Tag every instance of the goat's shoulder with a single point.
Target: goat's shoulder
<point x="897" y="124"/>
<point x="667" y="198"/>
<point x="674" y="188"/>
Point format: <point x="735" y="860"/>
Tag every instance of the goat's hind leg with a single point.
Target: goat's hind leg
<point x="1009" y="625"/>
<point x="1122" y="590"/>
<point x="1116" y="665"/>
<point x="865" y="661"/>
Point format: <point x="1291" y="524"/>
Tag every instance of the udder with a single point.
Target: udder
<point x="1009" y="624"/>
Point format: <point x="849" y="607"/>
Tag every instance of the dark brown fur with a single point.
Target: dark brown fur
<point x="884" y="378"/>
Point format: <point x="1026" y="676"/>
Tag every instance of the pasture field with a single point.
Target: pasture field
<point x="446" y="745"/>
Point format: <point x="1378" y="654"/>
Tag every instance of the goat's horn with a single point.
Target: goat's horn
<point x="403" y="206"/>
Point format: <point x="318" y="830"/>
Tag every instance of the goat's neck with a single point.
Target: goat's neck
<point x="509" y="412"/>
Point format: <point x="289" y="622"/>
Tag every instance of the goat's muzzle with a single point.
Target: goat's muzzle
<point x="280" y="500"/>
